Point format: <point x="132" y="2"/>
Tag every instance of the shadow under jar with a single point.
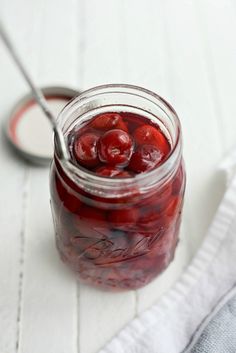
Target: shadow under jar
<point x="118" y="232"/>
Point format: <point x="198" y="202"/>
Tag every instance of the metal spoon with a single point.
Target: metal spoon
<point x="38" y="95"/>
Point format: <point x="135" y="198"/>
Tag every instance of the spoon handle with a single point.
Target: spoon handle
<point x="38" y="95"/>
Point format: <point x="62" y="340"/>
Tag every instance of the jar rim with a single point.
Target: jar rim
<point x="140" y="179"/>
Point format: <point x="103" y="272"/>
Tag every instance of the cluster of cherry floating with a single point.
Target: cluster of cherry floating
<point x="122" y="146"/>
<point x="117" y="242"/>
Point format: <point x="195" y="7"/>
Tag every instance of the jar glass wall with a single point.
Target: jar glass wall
<point x="118" y="233"/>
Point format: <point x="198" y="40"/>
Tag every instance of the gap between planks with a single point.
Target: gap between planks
<point x="25" y="201"/>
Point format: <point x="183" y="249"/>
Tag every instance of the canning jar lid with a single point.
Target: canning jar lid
<point x="28" y="129"/>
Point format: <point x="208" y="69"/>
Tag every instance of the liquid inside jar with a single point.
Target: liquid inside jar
<point x="117" y="242"/>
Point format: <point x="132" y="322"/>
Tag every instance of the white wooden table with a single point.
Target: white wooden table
<point x="186" y="51"/>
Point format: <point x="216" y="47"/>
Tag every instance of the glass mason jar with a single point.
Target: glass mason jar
<point x="126" y="254"/>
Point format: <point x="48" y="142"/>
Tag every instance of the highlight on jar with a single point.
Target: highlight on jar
<point x="117" y="207"/>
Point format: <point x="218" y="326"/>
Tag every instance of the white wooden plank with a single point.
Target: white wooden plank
<point x="14" y="184"/>
<point x="103" y="53"/>
<point x="155" y="44"/>
<point x="192" y="96"/>
<point x="102" y="314"/>
<point x="216" y="22"/>
<point x="12" y="210"/>
<point x="145" y="65"/>
<point x="190" y="92"/>
<point x="48" y="308"/>
<point x="144" y="62"/>
<point x="48" y="312"/>
<point x="59" y="49"/>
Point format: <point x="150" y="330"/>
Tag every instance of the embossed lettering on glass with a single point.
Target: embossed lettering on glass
<point x="117" y="209"/>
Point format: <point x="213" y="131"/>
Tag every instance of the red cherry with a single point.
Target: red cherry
<point x="70" y="201"/>
<point x="159" y="200"/>
<point x="150" y="219"/>
<point x="115" y="147"/>
<point x="173" y="207"/>
<point x="91" y="222"/>
<point x="147" y="134"/>
<point x="124" y="218"/>
<point x="108" y="171"/>
<point x="146" y="158"/>
<point x="93" y="214"/>
<point x="85" y="149"/>
<point x="109" y="121"/>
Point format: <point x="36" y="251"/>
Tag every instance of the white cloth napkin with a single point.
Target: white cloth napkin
<point x="177" y="320"/>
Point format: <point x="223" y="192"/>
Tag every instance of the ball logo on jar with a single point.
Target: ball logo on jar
<point x="107" y="251"/>
<point x="117" y="211"/>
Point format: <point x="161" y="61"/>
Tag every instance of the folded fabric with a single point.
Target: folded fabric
<point x="199" y="313"/>
<point x="218" y="332"/>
